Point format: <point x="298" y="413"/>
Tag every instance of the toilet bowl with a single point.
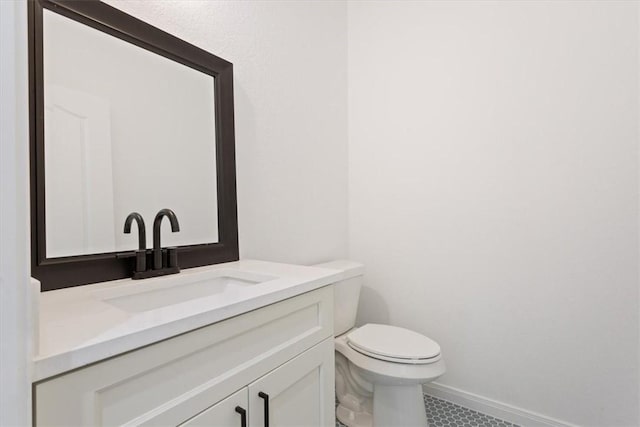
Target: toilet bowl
<point x="380" y="369"/>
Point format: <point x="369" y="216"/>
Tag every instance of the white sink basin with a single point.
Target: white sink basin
<point x="151" y="294"/>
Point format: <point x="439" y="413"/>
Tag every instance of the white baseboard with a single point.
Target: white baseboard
<point x="491" y="407"/>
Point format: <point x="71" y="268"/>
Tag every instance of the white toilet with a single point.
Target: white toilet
<point x="380" y="369"/>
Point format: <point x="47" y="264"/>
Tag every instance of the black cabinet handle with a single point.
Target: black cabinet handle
<point x="265" y="396"/>
<point x="243" y="416"/>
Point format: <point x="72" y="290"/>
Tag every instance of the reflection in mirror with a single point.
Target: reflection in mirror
<point x="125" y="130"/>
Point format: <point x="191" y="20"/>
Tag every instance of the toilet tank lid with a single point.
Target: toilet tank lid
<point x="349" y="268"/>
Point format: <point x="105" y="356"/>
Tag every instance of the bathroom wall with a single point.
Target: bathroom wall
<point x="493" y="172"/>
<point x="290" y="81"/>
<point x="15" y="314"/>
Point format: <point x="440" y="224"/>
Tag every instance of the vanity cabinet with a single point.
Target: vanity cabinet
<point x="284" y="351"/>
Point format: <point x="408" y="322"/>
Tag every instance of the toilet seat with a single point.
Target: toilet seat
<point x="392" y="372"/>
<point x="393" y="344"/>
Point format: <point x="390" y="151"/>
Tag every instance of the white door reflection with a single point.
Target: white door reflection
<point x="78" y="165"/>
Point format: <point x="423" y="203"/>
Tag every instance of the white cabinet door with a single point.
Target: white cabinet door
<point x="299" y="393"/>
<point x="230" y="412"/>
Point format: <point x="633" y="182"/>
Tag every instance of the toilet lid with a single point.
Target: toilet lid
<point x="392" y="343"/>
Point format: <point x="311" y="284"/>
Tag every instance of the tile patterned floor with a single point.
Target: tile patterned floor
<point x="441" y="413"/>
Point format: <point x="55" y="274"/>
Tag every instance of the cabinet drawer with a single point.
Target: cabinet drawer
<point x="169" y="382"/>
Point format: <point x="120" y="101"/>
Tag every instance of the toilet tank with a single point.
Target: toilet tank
<point x="346" y="294"/>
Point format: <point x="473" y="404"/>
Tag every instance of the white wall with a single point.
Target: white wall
<point x="290" y="81"/>
<point x="493" y="170"/>
<point x="15" y="383"/>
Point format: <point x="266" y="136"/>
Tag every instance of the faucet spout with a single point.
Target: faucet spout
<point x="157" y="249"/>
<point x="142" y="236"/>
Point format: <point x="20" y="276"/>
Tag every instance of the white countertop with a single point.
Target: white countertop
<point x="78" y="326"/>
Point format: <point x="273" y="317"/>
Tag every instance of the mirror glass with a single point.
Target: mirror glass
<point x="125" y="130"/>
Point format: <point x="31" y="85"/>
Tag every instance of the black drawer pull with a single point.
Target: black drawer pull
<point x="265" y="396"/>
<point x="243" y="416"/>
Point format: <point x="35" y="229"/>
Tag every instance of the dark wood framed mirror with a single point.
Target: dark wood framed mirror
<point x="124" y="117"/>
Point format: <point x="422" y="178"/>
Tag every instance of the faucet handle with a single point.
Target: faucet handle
<point x="172" y="257"/>
<point x="141" y="261"/>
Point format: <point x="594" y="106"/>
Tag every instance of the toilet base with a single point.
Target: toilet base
<point x="393" y="406"/>
<point x="351" y="418"/>
<point x="361" y="402"/>
<point x="399" y="406"/>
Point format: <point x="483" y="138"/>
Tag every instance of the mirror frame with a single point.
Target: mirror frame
<point x="64" y="272"/>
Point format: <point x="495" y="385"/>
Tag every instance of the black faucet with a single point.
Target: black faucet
<point x="141" y="253"/>
<point x="142" y="235"/>
<point x="157" y="249"/>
